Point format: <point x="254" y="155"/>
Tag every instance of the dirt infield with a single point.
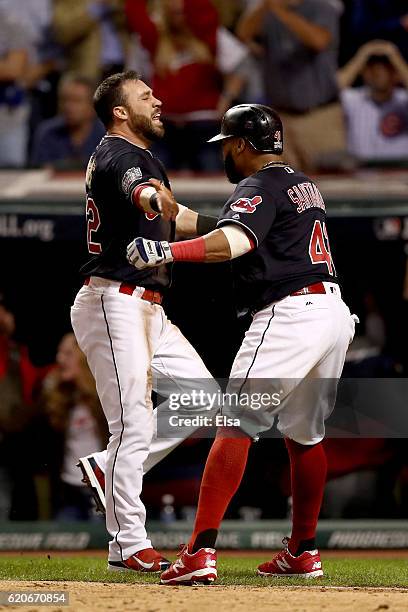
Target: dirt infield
<point x="91" y="597"/>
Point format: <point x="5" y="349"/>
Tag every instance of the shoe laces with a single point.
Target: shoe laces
<point x="182" y="549"/>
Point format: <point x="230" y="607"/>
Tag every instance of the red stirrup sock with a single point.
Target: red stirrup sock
<point x="308" y="469"/>
<point x="222" y="476"/>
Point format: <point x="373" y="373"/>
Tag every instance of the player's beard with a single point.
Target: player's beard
<point x="139" y="124"/>
<point x="233" y="175"/>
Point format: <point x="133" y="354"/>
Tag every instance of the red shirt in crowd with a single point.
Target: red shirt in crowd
<point x="188" y="86"/>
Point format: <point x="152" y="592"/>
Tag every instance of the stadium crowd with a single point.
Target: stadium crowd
<point x="335" y="70"/>
<point x="337" y="73"/>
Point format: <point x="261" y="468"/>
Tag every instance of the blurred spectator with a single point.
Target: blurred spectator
<point x="41" y="76"/>
<point x="181" y="36"/>
<point x="44" y="55"/>
<point x="361" y="478"/>
<point x="93" y="35"/>
<point x="19" y="380"/>
<point x="229" y="11"/>
<point x="14" y="109"/>
<point x="386" y="19"/>
<point x="300" y="40"/>
<point x="76" y="416"/>
<point x="68" y="140"/>
<point x="377" y="112"/>
<point x="239" y="69"/>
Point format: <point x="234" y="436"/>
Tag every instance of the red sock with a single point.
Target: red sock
<point x="222" y="476"/>
<point x="308" y="468"/>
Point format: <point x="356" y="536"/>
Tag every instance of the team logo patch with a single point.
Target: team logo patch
<point x="246" y="205"/>
<point x="130" y="176"/>
<point x="90" y="170"/>
<point x="278" y="145"/>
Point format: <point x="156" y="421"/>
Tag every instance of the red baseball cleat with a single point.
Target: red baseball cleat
<point x="199" y="567"/>
<point x="148" y="560"/>
<point x="306" y="565"/>
<point x="95" y="479"/>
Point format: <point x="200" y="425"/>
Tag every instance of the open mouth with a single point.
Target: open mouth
<point x="156" y="117"/>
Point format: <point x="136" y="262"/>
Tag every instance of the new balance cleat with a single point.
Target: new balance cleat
<point x="196" y="568"/>
<point x="306" y="565"/>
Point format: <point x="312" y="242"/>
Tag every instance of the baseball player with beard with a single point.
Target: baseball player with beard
<point x="273" y="228"/>
<point x="117" y="315"/>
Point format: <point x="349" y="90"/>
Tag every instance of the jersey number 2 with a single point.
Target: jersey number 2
<point x="319" y="247"/>
<point x="93" y="224"/>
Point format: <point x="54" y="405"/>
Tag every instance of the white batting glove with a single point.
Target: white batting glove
<point x="143" y="253"/>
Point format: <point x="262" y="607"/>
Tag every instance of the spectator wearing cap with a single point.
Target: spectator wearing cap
<point x="68" y="140"/>
<point x="377" y="112"/>
<point x="93" y="35"/>
<point x="300" y="45"/>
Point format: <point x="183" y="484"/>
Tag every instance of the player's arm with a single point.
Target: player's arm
<point x="149" y="200"/>
<point x="243" y="224"/>
<point x="188" y="222"/>
<point x="140" y="189"/>
<point x="220" y="245"/>
<point x="191" y="223"/>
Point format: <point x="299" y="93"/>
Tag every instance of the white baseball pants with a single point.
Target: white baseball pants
<point x="295" y="347"/>
<point x="127" y="341"/>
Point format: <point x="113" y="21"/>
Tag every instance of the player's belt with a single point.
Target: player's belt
<point x="149" y="295"/>
<point x="315" y="288"/>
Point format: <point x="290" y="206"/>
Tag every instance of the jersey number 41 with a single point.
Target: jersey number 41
<point x="319" y="247"/>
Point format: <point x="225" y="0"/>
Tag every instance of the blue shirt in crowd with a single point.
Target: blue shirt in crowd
<point x="53" y="145"/>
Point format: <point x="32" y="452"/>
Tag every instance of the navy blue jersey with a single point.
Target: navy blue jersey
<point x="283" y="212"/>
<point x="115" y="169"/>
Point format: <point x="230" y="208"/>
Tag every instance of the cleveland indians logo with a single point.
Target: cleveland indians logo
<point x="246" y="205"/>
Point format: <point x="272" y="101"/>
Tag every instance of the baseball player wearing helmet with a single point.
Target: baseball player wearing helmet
<point x="274" y="229"/>
<point x="117" y="315"/>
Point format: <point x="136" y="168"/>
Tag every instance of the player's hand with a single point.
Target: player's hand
<point x="166" y="202"/>
<point x="143" y="253"/>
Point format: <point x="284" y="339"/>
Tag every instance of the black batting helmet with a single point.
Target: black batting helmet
<point x="258" y="124"/>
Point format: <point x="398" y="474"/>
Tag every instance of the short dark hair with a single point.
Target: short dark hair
<point x="77" y="79"/>
<point x="110" y="94"/>
<point x="379" y="59"/>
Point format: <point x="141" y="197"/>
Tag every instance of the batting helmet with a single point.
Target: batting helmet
<point x="258" y="124"/>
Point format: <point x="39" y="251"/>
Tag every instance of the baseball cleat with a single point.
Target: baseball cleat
<point x="147" y="560"/>
<point x="196" y="568"/>
<point x="306" y="565"/>
<point x="94" y="478"/>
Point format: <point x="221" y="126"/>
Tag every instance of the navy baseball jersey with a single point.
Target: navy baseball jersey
<point x="115" y="169"/>
<point x="283" y="213"/>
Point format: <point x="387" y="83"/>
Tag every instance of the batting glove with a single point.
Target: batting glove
<point x="143" y="253"/>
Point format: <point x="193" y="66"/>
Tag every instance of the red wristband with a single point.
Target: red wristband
<point x="137" y="193"/>
<point x="189" y="250"/>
